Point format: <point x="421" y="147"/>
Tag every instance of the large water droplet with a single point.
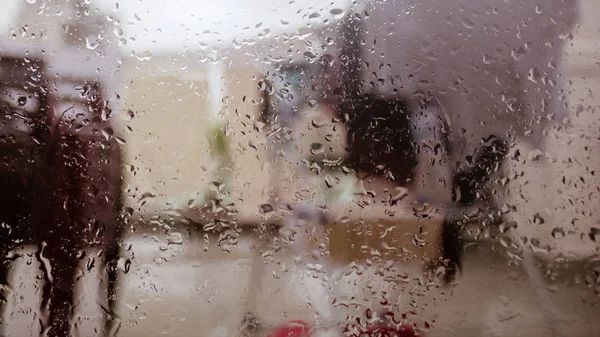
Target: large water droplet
<point x="175" y="239"/>
<point x="105" y="114"/>
<point x="506" y="226"/>
<point x="467" y="23"/>
<point x="124" y="264"/>
<point x="91" y="44"/>
<point x="337" y="13"/>
<point x="317" y="148"/>
<point x="594" y="234"/>
<point x="144" y="56"/>
<point x="310" y="56"/>
<point x="534" y="75"/>
<point x="399" y="193"/>
<point x="558" y="233"/>
<point x="118" y="31"/>
<point x="537" y="219"/>
<point x="287" y="234"/>
<point x="266" y="210"/>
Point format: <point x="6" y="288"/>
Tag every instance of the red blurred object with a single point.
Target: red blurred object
<point x="294" y="328"/>
<point x="383" y="330"/>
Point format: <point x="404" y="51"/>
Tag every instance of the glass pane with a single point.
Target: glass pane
<point x="299" y="168"/>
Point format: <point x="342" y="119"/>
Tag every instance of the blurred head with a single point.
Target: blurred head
<point x="379" y="137"/>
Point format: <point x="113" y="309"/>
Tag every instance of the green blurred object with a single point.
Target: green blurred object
<point x="221" y="152"/>
<point x="218" y="140"/>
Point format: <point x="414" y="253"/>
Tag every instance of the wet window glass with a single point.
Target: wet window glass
<point x="299" y="168"/>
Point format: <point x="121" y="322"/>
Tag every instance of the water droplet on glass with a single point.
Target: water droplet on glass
<point x="312" y="103"/>
<point x="22" y="100"/>
<point x="175" y="239"/>
<point x="144" y="56"/>
<point x="105" y="114"/>
<point x="310" y="56"/>
<point x="399" y="193"/>
<point x="90" y="263"/>
<point x="534" y="75"/>
<point x="266" y="210"/>
<point x="337" y="13"/>
<point x="118" y="31"/>
<point x="558" y="233"/>
<point x="91" y="45"/>
<point x="107" y="133"/>
<point x="538" y="9"/>
<point x="468" y="23"/>
<point x="344" y="59"/>
<point x="537" y="219"/>
<point x="314" y="15"/>
<point x="594" y="234"/>
<point x="124" y="264"/>
<point x="287" y="234"/>
<point x="506" y="226"/>
<point x="129" y="115"/>
<point x="518" y="54"/>
<point x="316" y="148"/>
<point x="13" y="255"/>
<point x="487" y="59"/>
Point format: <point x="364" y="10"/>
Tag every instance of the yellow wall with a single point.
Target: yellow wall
<point x="168" y="145"/>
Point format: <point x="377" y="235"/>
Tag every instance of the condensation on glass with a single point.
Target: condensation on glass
<point x="301" y="168"/>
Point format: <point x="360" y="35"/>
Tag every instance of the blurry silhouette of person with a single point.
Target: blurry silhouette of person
<point x="491" y="88"/>
<point x="78" y="202"/>
<point x="23" y="135"/>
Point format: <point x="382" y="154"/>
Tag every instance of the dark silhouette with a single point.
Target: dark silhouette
<point x="469" y="186"/>
<point x="381" y="142"/>
<point x="24" y="111"/>
<point x="61" y="179"/>
<point x="81" y="196"/>
<point x="380" y="138"/>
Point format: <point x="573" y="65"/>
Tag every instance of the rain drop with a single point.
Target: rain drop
<point x="558" y="233"/>
<point x="594" y="234"/>
<point x="287" y="234"/>
<point x="468" y="23"/>
<point x="337" y="13"/>
<point x="130" y="114"/>
<point x="314" y="15"/>
<point x="118" y="31"/>
<point x="175" y="239"/>
<point x="506" y="226"/>
<point x="316" y="148"/>
<point x="538" y="220"/>
<point x="91" y="45"/>
<point x="266" y="210"/>
<point x="144" y="56"/>
<point x="105" y="114"/>
<point x="534" y="75"/>
<point x="310" y="56"/>
<point x="399" y="194"/>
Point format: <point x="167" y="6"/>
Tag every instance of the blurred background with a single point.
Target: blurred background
<point x="171" y="165"/>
